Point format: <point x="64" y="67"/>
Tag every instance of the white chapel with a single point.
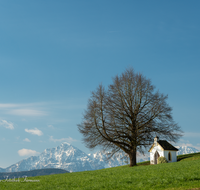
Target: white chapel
<point x="162" y="148"/>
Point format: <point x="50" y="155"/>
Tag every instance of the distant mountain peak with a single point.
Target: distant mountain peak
<point x="63" y="143"/>
<point x="186" y="150"/>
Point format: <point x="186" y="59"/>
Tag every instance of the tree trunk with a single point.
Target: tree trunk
<point x="132" y="157"/>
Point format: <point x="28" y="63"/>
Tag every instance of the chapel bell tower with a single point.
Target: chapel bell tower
<point x="156" y="140"/>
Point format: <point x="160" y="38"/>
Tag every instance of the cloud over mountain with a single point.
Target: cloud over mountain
<point x="27" y="152"/>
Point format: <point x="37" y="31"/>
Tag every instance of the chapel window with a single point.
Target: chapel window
<point x="169" y="156"/>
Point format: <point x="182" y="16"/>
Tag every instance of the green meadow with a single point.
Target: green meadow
<point x="184" y="174"/>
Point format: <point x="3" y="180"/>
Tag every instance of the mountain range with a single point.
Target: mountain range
<point x="49" y="171"/>
<point x="186" y="150"/>
<point x="70" y="158"/>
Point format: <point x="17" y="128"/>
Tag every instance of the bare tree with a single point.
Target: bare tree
<point x="127" y="116"/>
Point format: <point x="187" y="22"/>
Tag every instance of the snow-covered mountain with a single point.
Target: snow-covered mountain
<point x="64" y="156"/>
<point x="72" y="159"/>
<point x="186" y="150"/>
<point x="101" y="158"/>
<point x="2" y="170"/>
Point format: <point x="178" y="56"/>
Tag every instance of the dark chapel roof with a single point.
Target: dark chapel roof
<point x="166" y="146"/>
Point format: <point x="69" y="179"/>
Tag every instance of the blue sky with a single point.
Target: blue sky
<point x="53" y="54"/>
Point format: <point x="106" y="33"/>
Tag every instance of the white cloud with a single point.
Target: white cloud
<point x="8" y="105"/>
<point x="6" y="124"/>
<point x="27" y="152"/>
<point x="34" y="131"/>
<point x="26" y="140"/>
<point x="30" y="109"/>
<point x="51" y="126"/>
<point x="69" y="139"/>
<point x="27" y="112"/>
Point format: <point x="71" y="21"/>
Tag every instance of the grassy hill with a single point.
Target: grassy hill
<point x="184" y="174"/>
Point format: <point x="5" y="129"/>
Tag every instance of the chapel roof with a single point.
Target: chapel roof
<point x="166" y="146"/>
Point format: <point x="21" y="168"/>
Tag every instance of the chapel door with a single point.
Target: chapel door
<point x="156" y="156"/>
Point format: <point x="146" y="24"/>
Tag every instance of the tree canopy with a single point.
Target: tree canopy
<point x="127" y="116"/>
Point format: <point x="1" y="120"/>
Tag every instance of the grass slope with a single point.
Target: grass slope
<point x="184" y="174"/>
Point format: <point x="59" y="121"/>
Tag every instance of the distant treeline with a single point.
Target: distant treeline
<point x="48" y="171"/>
